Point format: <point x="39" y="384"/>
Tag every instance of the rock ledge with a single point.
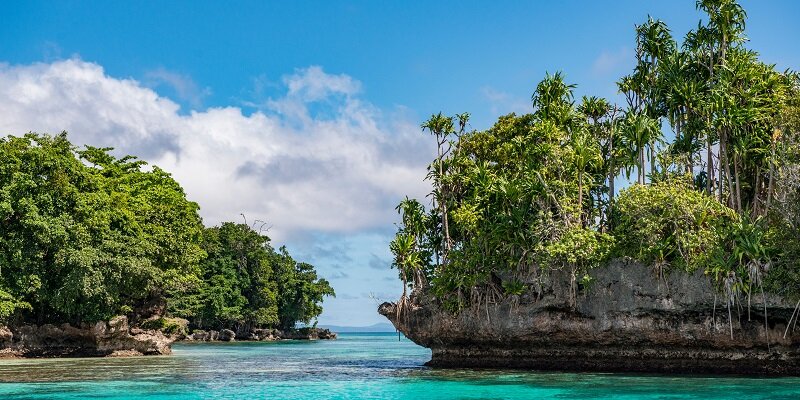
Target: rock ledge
<point x="627" y="320"/>
<point x="112" y="338"/>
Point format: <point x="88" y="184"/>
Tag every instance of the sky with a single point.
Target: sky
<point x="306" y="114"/>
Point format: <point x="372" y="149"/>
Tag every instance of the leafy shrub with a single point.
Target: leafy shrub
<point x="9" y="305"/>
<point x="669" y="224"/>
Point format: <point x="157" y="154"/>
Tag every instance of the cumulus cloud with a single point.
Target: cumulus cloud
<point x="184" y="86"/>
<point x="317" y="159"/>
<point x="501" y="103"/>
<point x="611" y="61"/>
<point x="378" y="263"/>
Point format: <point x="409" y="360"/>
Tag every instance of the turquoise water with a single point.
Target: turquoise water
<point x="357" y="366"/>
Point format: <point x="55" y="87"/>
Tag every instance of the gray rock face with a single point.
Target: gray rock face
<point x="628" y="319"/>
<point x="110" y="338"/>
<point x="309" y="334"/>
<point x="227" y="335"/>
<point x="258" y="334"/>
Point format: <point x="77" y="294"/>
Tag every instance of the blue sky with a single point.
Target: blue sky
<point x="305" y="114"/>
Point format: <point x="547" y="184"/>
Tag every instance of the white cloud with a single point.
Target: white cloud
<point x="312" y="84"/>
<point x="184" y="86"/>
<point x="502" y="103"/>
<point x="612" y="61"/>
<point x="317" y="159"/>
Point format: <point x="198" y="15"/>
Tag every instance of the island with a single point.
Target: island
<point x="530" y="257"/>
<point x="102" y="256"/>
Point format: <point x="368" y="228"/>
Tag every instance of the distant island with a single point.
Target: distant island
<point x="106" y="256"/>
<point x="530" y="258"/>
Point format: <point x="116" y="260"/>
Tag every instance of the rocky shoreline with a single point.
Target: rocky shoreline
<point x="262" y="335"/>
<point x="626" y="320"/>
<point x="116" y="338"/>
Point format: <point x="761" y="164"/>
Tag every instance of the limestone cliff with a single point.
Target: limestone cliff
<point x="112" y="338"/>
<point x="627" y="319"/>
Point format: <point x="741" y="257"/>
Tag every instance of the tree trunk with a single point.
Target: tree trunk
<point x="405" y="283"/>
<point x="652" y="162"/>
<point x="709" y="166"/>
<point x="721" y="167"/>
<point x="757" y="194"/>
<point x="771" y="179"/>
<point x="738" y="184"/>
<point x="611" y="172"/>
<point x="641" y="165"/>
<point x="611" y="188"/>
<point x="726" y="163"/>
<point x="443" y="207"/>
<point x="580" y="197"/>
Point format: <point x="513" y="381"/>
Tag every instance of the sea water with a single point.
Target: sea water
<point x="356" y="366"/>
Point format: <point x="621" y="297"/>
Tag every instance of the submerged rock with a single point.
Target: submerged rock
<point x="114" y="337"/>
<point x="626" y="320"/>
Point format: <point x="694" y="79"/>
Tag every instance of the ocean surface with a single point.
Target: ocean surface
<point x="357" y="366"/>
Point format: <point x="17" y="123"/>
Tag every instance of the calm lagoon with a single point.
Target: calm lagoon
<point x="357" y="366"/>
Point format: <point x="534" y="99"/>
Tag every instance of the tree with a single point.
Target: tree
<point x="587" y="154"/>
<point x="85" y="235"/>
<point x="442" y="127"/>
<point x="527" y="194"/>
<point x="639" y="131"/>
<point x="300" y="292"/>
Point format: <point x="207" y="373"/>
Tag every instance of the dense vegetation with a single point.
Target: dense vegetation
<point x="710" y="132"/>
<point x="85" y="236"/>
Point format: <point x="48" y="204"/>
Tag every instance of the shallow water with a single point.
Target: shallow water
<point x="357" y="366"/>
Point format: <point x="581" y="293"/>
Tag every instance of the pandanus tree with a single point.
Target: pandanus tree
<point x="654" y="43"/>
<point x="406" y="260"/>
<point x="603" y="121"/>
<point x="552" y="100"/>
<point x="709" y="45"/>
<point x="505" y="198"/>
<point x="409" y="250"/>
<point x="680" y="87"/>
<point x="443" y="128"/>
<point x="586" y="152"/>
<point x="639" y="131"/>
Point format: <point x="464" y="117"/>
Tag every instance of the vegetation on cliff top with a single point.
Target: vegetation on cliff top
<point x="85" y="236"/>
<point x="718" y="191"/>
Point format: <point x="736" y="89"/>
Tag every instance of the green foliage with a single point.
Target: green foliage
<point x="10" y="305"/>
<point x="535" y="192"/>
<point x="300" y="290"/>
<point x="244" y="283"/>
<point x="514" y="287"/>
<point x="670" y="224"/>
<point x="578" y="248"/>
<point x="85" y="236"/>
